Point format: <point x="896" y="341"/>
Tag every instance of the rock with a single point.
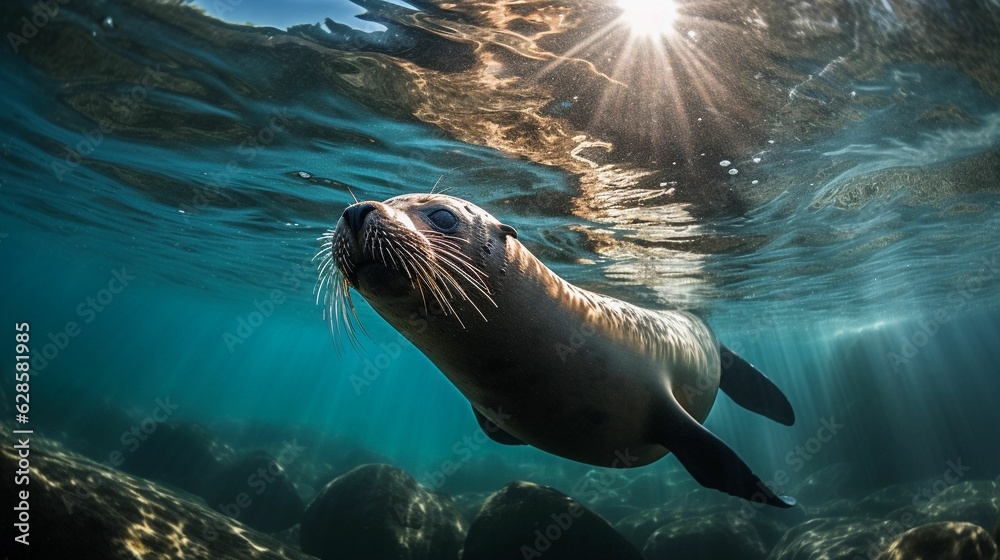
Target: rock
<point x="290" y="536"/>
<point x="380" y="511"/>
<point x="837" y="507"/>
<point x="714" y="536"/>
<point x="770" y="523"/>
<point x="90" y="426"/>
<point x="839" y="480"/>
<point x="972" y="501"/>
<point x="942" y="541"/>
<point x="883" y="502"/>
<point x="325" y="458"/>
<point x="835" y="537"/>
<point x="79" y="508"/>
<point x="256" y="491"/>
<point x="639" y="527"/>
<point x="996" y="531"/>
<point x="182" y="455"/>
<point x="469" y="503"/>
<point x="615" y="494"/>
<point x="525" y="520"/>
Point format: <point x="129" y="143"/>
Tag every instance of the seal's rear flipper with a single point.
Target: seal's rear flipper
<point x="752" y="390"/>
<point x="712" y="463"/>
<point x="495" y="432"/>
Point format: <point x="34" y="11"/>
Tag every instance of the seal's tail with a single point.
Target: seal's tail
<point x="752" y="390"/>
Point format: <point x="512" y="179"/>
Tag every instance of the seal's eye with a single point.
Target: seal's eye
<point x="443" y="220"/>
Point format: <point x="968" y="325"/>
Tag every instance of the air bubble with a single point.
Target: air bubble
<point x="734" y="171"/>
<point x="756" y="160"/>
<point x="725" y="163"/>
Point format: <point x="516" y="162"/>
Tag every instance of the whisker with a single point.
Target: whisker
<point x="333" y="292"/>
<point x="436" y="184"/>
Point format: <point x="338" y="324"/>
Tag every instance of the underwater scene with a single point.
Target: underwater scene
<point x="500" y="279"/>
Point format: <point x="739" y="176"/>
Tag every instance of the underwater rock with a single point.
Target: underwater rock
<point x="290" y="536"/>
<point x="887" y="500"/>
<point x="714" y="536"/>
<point x="835" y="537"/>
<point x="615" y="494"/>
<point x="469" y="503"/>
<point x="700" y="503"/>
<point x="996" y="531"/>
<point x="841" y="507"/>
<point x="839" y="480"/>
<point x="256" y="491"/>
<point x="525" y="520"/>
<point x="972" y="501"/>
<point x="942" y="541"/>
<point x="321" y="457"/>
<point x="639" y="527"/>
<point x="91" y="425"/>
<point x="770" y="523"/>
<point x="81" y="509"/>
<point x="182" y="455"/>
<point x="380" y="511"/>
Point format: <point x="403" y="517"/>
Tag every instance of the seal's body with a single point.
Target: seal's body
<point x="578" y="374"/>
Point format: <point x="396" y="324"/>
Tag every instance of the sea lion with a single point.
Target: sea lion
<point x="545" y="363"/>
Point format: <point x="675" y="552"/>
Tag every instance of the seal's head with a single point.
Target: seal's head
<point x="410" y="252"/>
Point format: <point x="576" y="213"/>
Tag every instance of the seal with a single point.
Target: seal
<point x="545" y="363"/>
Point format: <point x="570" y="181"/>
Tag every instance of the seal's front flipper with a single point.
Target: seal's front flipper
<point x="752" y="390"/>
<point x="495" y="432"/>
<point x="712" y="463"/>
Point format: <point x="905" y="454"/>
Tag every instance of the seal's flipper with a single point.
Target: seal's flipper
<point x="495" y="432"/>
<point x="712" y="463"/>
<point x="752" y="390"/>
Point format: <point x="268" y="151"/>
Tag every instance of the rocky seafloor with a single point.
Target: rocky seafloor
<point x="186" y="492"/>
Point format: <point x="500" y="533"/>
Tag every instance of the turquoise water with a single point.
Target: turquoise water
<point x="166" y="175"/>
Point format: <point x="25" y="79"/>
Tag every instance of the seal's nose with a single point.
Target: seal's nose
<point x="355" y="215"/>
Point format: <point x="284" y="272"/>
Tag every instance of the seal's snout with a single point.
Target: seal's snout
<point x="355" y="215"/>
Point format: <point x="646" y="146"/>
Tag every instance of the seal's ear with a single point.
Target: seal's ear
<point x="508" y="230"/>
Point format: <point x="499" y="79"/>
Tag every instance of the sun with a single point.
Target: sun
<point x="649" y="18"/>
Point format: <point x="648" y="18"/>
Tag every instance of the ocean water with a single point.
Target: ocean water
<point x="819" y="181"/>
